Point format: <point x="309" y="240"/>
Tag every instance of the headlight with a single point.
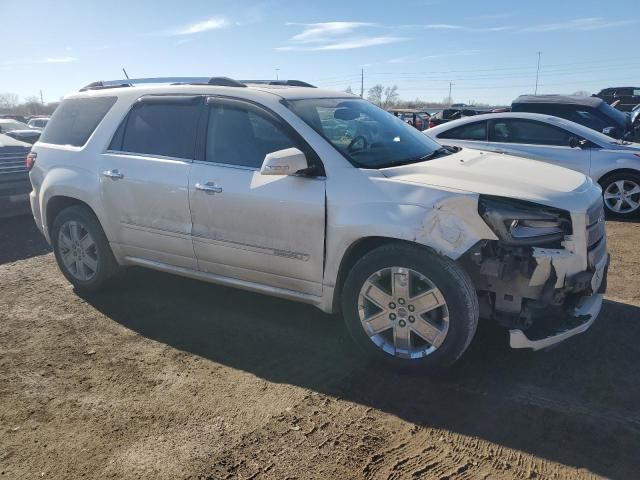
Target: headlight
<point x="516" y="222"/>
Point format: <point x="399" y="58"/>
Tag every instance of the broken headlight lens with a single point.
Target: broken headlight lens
<point x="517" y="222"/>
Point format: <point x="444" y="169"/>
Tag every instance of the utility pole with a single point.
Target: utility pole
<point x="41" y="98"/>
<point x="362" y="83"/>
<point x="450" y="100"/>
<point x="277" y="77"/>
<point x="537" y="74"/>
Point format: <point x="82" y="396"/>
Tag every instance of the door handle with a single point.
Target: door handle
<point x="115" y="174"/>
<point x="208" y="187"/>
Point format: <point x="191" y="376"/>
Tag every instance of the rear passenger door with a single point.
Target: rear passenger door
<point x="538" y="141"/>
<point x="145" y="178"/>
<point x="257" y="228"/>
<point x="470" y="135"/>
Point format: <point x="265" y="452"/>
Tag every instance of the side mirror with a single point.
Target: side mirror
<point x="284" y="162"/>
<point x="610" y="131"/>
<point x="574" y="142"/>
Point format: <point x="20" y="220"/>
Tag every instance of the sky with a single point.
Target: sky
<point x="487" y="50"/>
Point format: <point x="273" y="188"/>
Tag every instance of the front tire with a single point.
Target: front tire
<point x="621" y="192"/>
<point x="409" y="307"/>
<point x="81" y="249"/>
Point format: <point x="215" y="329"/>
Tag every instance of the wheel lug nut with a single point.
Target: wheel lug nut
<point x="392" y="316"/>
<point x="402" y="323"/>
<point x="401" y="301"/>
<point x="392" y="305"/>
<point x="411" y="308"/>
<point x="412" y="319"/>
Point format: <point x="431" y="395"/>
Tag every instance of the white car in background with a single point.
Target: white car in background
<point x="38" y="123"/>
<point x="615" y="164"/>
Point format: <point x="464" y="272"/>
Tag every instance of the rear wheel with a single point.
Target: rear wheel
<point x="81" y="248"/>
<point x="621" y="192"/>
<point x="409" y="307"/>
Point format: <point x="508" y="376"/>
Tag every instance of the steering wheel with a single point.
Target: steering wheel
<point x="358" y="140"/>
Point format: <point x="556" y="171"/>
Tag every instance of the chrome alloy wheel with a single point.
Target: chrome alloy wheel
<point x="78" y="250"/>
<point x="403" y="312"/>
<point x="622" y="196"/>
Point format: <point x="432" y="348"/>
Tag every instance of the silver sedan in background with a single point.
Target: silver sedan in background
<point x="615" y="164"/>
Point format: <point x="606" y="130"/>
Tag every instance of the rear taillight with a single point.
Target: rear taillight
<point x="30" y="161"/>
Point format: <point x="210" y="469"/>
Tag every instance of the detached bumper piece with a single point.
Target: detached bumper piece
<point x="584" y="315"/>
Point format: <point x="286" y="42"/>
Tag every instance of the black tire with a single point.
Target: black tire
<point x="107" y="267"/>
<point x="452" y="281"/>
<point x="628" y="178"/>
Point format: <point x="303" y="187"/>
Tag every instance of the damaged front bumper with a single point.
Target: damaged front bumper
<point x="580" y="320"/>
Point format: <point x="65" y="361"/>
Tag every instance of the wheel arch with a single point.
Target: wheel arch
<point x="616" y="171"/>
<point x="356" y="251"/>
<point x="58" y="203"/>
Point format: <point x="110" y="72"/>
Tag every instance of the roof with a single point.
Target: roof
<point x="560" y="99"/>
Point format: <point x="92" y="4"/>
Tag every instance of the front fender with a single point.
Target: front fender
<point x="451" y="226"/>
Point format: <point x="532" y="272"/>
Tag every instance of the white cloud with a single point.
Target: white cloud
<point x="347" y="44"/>
<point x="579" y="24"/>
<point x="337" y="36"/>
<point x="447" y="26"/>
<point x="58" y="60"/>
<point x="213" y="23"/>
<point x="320" y="32"/>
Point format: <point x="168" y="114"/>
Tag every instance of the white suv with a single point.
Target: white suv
<point x="320" y="197"/>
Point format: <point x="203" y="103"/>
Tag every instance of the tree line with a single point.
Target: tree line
<point x="10" y="103"/>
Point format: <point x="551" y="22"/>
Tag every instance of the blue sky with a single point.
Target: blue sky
<point x="487" y="48"/>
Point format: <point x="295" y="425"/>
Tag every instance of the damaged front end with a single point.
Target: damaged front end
<point x="544" y="277"/>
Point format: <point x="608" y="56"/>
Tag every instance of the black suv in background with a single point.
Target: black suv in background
<point x="14" y="177"/>
<point x="628" y="97"/>
<point x="592" y="112"/>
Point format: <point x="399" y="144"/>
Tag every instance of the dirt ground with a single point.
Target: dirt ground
<point x="166" y="377"/>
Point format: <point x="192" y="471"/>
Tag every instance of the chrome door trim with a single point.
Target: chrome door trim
<point x="227" y="281"/>
<point x="252" y="248"/>
<point x="147" y="155"/>
<point x="159" y="231"/>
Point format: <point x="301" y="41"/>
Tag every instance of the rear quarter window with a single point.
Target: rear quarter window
<point x="75" y="119"/>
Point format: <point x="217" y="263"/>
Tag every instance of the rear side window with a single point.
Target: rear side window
<point x="166" y="129"/>
<point x="75" y="119"/>
<point x="473" y="131"/>
<point x="528" y="132"/>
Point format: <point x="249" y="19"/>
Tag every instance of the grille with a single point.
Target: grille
<point x="12" y="163"/>
<point x="596" y="241"/>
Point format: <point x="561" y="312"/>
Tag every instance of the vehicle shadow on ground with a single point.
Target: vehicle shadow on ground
<point x="585" y="393"/>
<point x="31" y="244"/>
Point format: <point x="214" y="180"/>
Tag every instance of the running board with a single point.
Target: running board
<point x="227" y="281"/>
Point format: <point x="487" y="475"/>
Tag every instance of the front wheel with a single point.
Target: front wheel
<point x="410" y="307"/>
<point x="621" y="192"/>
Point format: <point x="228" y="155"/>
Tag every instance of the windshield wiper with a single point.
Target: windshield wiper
<point x="428" y="156"/>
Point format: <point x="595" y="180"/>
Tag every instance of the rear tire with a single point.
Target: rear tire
<point x="82" y="250"/>
<point x="621" y="192"/>
<point x="410" y="308"/>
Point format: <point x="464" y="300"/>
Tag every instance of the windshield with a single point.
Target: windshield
<point x="366" y="135"/>
<point x="621" y="118"/>
<point x="9" y="125"/>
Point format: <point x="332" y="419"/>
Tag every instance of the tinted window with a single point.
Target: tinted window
<point x="588" y="119"/>
<point x="75" y="119"/>
<point x="527" y="131"/>
<point x="161" y="129"/>
<point x="238" y="136"/>
<point x="471" y="131"/>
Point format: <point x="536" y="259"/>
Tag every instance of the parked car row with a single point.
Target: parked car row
<point x="321" y="197"/>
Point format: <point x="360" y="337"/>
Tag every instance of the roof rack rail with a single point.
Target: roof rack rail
<point x="288" y="83"/>
<point x="129" y="82"/>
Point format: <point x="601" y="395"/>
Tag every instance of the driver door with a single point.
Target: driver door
<point x="264" y="229"/>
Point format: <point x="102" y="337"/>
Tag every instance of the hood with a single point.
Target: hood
<point x="503" y="176"/>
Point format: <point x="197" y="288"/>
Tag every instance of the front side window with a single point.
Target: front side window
<point x="476" y="131"/>
<point x="528" y="132"/>
<point x="366" y="135"/>
<point x="75" y="119"/>
<point x="164" y="129"/>
<point x="588" y="119"/>
<point x="242" y="137"/>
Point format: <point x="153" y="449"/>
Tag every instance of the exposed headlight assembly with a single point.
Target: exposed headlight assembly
<point x="516" y="222"/>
